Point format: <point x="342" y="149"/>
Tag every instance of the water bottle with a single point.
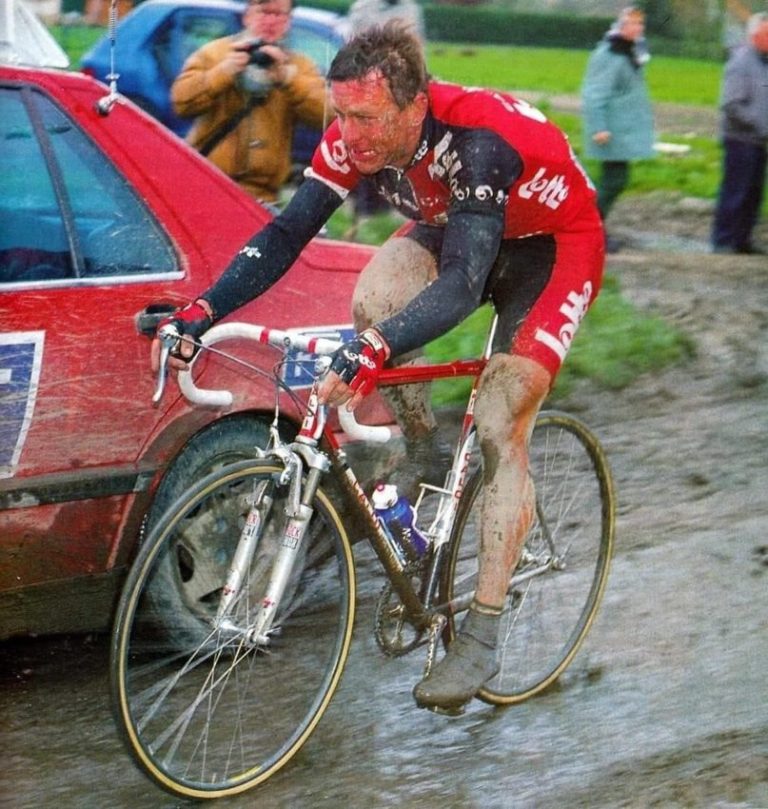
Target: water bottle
<point x="397" y="516"/>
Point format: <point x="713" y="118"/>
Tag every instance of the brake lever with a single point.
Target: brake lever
<point x="169" y="338"/>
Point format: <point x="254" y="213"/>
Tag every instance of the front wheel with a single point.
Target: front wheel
<point x="555" y="591"/>
<point x="207" y="708"/>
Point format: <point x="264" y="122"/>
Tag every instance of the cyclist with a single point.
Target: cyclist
<point x="500" y="210"/>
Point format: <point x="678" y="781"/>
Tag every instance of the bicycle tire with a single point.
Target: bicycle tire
<point x="547" y="616"/>
<point x="205" y="714"/>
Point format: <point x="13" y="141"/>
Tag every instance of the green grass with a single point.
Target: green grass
<point x="695" y="174"/>
<point x="76" y="40"/>
<point x="615" y="343"/>
<point x="560" y="71"/>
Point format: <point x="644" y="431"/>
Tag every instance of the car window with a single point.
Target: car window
<point x="315" y="44"/>
<point x="65" y="210"/>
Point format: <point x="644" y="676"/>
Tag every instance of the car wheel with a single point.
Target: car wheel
<point x="177" y="597"/>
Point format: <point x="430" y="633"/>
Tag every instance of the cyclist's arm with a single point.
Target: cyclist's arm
<point x="267" y="255"/>
<point x="471" y="243"/>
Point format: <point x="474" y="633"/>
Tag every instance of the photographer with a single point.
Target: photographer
<point x="247" y="92"/>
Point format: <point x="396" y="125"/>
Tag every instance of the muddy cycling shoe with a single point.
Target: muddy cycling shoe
<point x="466" y="667"/>
<point x="427" y="460"/>
<point x="468" y="664"/>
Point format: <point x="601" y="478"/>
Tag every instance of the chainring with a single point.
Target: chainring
<point x="394" y="634"/>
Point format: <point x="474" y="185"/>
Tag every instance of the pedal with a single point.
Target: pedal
<point x="435" y="628"/>
<point x="450" y="712"/>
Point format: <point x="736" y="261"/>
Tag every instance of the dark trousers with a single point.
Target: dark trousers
<point x="614" y="176"/>
<point x="740" y="195"/>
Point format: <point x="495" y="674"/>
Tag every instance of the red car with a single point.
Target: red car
<point x="107" y="221"/>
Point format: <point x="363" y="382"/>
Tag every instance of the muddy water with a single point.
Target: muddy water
<point x="660" y="685"/>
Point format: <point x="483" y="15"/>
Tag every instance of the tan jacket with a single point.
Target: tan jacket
<point x="257" y="153"/>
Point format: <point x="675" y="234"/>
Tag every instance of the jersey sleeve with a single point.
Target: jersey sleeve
<point x="331" y="164"/>
<point x="480" y="167"/>
<point x="268" y="255"/>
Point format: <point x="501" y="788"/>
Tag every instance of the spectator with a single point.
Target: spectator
<point x="365" y="13"/>
<point x="618" y="119"/>
<point x="247" y="92"/>
<point x="735" y="17"/>
<point x="744" y="132"/>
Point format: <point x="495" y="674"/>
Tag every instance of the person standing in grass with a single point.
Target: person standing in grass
<point x="616" y="107"/>
<point x="744" y="130"/>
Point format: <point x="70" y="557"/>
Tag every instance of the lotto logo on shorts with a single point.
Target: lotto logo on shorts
<point x="574" y="309"/>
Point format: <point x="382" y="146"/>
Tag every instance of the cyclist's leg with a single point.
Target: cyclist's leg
<point x="509" y="397"/>
<point x="399" y="270"/>
<point x="510" y="393"/>
<point x="540" y="308"/>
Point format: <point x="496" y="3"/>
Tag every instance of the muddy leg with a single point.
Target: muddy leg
<point x="400" y="269"/>
<point x="510" y="395"/>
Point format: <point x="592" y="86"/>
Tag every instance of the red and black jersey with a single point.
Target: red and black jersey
<point x="489" y="171"/>
<point x="479" y="149"/>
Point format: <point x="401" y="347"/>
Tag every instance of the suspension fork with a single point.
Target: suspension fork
<point x="260" y="507"/>
<point x="302" y="454"/>
<point x="299" y="517"/>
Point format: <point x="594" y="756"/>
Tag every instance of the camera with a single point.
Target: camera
<point x="256" y="55"/>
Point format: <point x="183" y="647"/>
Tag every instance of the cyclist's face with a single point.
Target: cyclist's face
<point x="374" y="129"/>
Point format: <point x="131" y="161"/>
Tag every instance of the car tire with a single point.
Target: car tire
<point x="224" y="442"/>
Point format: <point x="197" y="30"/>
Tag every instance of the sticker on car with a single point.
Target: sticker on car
<point x="21" y="356"/>
<point x="299" y="369"/>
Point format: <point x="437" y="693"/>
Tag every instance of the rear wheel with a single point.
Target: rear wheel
<point x="205" y="710"/>
<point x="556" y="589"/>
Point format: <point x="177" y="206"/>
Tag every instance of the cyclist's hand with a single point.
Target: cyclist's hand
<point x="191" y="321"/>
<point x="354" y="370"/>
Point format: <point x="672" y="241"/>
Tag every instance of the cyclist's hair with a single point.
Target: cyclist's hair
<point x="391" y="49"/>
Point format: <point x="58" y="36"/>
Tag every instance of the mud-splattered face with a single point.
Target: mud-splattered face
<point x="375" y="130"/>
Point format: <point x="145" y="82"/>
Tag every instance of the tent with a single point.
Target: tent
<point x="24" y="40"/>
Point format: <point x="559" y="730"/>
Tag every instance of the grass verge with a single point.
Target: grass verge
<point x="615" y="343"/>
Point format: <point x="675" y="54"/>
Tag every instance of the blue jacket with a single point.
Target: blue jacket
<point x="744" y="97"/>
<point x="615" y="99"/>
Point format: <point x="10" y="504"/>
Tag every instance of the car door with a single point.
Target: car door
<point x="80" y="256"/>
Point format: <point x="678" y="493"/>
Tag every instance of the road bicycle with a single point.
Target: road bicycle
<point x="235" y="622"/>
